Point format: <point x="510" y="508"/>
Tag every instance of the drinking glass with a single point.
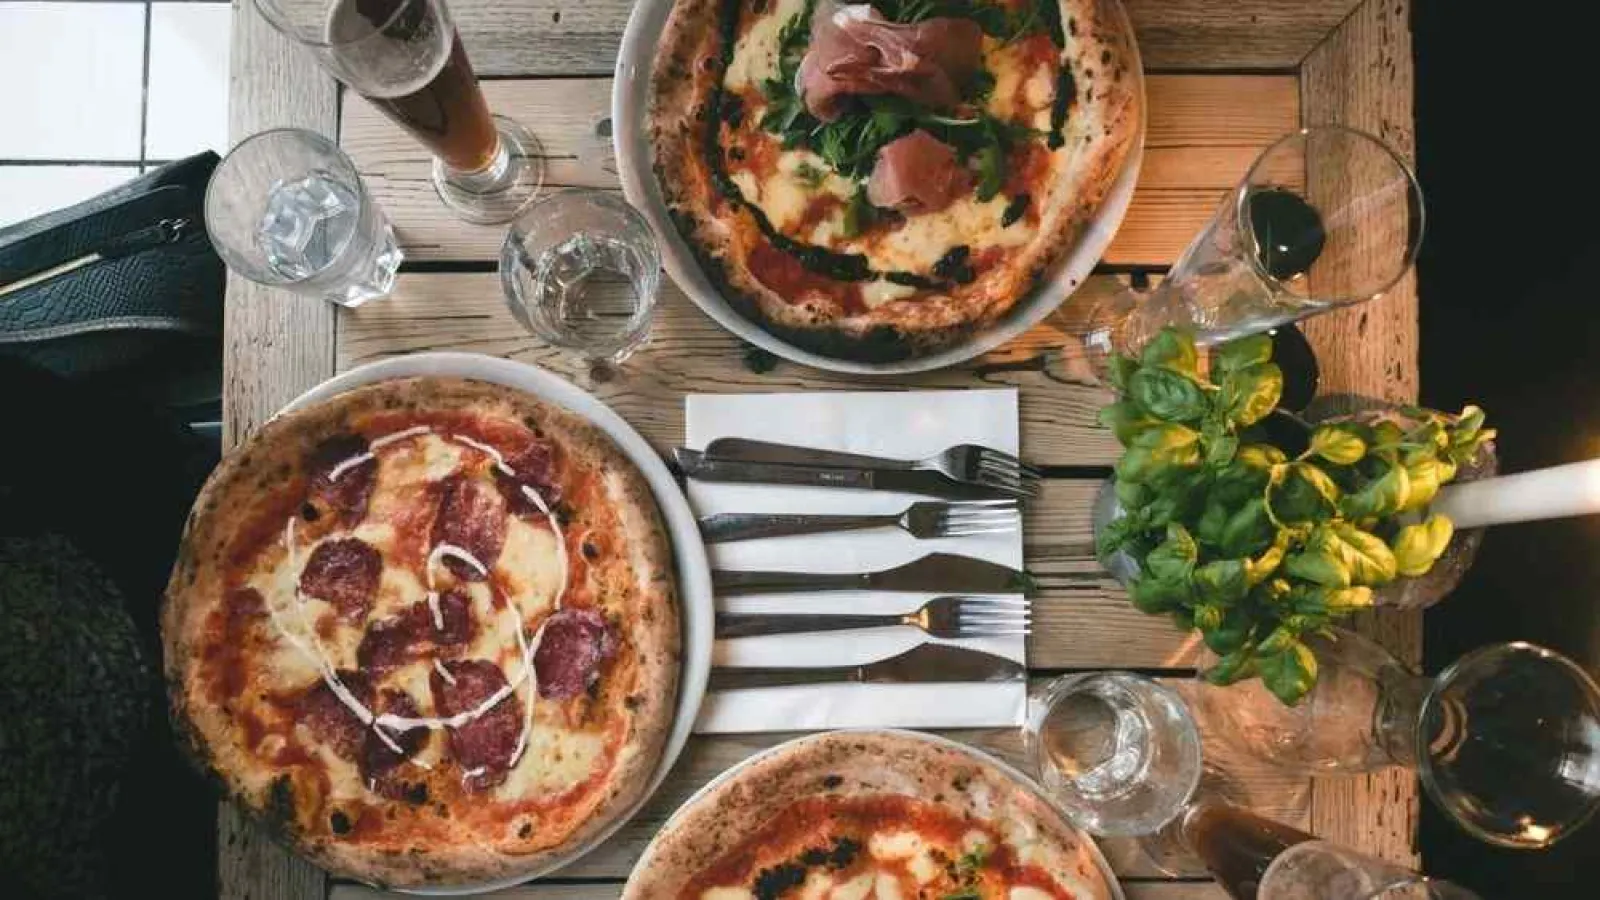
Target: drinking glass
<point x="1118" y="752"/>
<point x="1327" y="216"/>
<point x="1319" y="870"/>
<point x="406" y="57"/>
<point x="286" y="209"/>
<point x="1506" y="740"/>
<point x="580" y="269"/>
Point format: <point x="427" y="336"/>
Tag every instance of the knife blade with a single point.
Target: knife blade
<point x="947" y="573"/>
<point x="695" y="464"/>
<point x="923" y="664"/>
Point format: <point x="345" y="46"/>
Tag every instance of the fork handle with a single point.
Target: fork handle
<point x="724" y="527"/>
<point x="730" y="625"/>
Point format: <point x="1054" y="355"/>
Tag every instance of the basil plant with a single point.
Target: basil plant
<point x="1254" y="548"/>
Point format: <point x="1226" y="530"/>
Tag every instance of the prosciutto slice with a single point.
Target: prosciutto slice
<point x="854" y="51"/>
<point x="917" y="173"/>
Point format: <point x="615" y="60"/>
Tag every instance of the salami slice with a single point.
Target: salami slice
<point x="482" y="747"/>
<point x="576" y="641"/>
<point x="329" y="720"/>
<point x="533" y="466"/>
<point x="344" y="487"/>
<point x="472" y="516"/>
<point x="380" y="762"/>
<point x="343" y="572"/>
<point x="397" y="640"/>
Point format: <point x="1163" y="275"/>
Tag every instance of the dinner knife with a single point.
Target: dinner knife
<point x="924" y="664"/>
<point x="695" y="464"/>
<point x="937" y="572"/>
<point x="733" y="449"/>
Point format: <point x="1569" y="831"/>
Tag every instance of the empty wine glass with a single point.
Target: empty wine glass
<point x="1327" y="216"/>
<point x="1506" y="740"/>
<point x="1319" y="870"/>
<point x="580" y="269"/>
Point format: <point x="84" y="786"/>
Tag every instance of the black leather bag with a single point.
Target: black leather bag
<point x="123" y="286"/>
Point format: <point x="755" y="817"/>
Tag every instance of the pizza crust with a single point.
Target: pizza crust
<point x="268" y="471"/>
<point x="848" y="764"/>
<point x="1102" y="130"/>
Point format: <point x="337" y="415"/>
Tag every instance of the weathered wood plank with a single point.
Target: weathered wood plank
<point x="689" y="352"/>
<point x="275" y="345"/>
<point x="1204" y="132"/>
<point x="558" y="37"/>
<point x="1362" y="76"/>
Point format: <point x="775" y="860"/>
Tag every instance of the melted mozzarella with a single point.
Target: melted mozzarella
<point x="918" y="244"/>
<point x="908" y="846"/>
<point x="887" y="887"/>
<point x="1028" y="893"/>
<point x="555" y="761"/>
<point x="755" y="56"/>
<point x="529" y="567"/>
<point x="857" y="888"/>
<point x="727" y="893"/>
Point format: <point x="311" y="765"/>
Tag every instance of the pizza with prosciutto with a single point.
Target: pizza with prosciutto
<point x="426" y="630"/>
<point x="875" y="181"/>
<point x="869" y="815"/>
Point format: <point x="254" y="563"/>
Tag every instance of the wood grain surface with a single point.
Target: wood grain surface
<point x="1228" y="78"/>
<point x="1204" y="131"/>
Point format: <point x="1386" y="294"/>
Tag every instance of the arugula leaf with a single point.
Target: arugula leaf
<point x="809" y="175"/>
<point x="859" y="214"/>
<point x="991" y="172"/>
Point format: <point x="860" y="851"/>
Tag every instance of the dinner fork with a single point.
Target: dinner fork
<point x="941" y="617"/>
<point x="966" y="463"/>
<point x="924" y="521"/>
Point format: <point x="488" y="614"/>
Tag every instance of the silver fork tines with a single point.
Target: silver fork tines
<point x="990" y="468"/>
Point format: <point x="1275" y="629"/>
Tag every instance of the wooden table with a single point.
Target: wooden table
<point x="1225" y="78"/>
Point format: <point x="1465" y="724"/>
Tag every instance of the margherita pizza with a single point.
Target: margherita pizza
<point x="876" y="181"/>
<point x="426" y="630"/>
<point x="860" y="815"/>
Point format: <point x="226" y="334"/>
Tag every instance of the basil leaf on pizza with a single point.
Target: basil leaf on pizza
<point x="426" y="631"/>
<point x="822" y="159"/>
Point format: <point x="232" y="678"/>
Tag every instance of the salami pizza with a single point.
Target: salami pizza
<point x="876" y="181"/>
<point x="426" y="630"/>
<point x="853" y="814"/>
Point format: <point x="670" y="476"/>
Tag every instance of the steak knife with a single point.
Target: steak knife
<point x="924" y="483"/>
<point x="923" y="664"/>
<point x="947" y="573"/>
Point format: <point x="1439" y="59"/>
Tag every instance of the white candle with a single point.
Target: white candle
<point x="1554" y="493"/>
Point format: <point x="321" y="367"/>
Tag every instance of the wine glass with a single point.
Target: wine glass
<point x="1319" y="870"/>
<point x="406" y="57"/>
<point x="1327" y="216"/>
<point x="1506" y="740"/>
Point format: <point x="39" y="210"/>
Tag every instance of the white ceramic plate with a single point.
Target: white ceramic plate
<point x="689" y="552"/>
<point x="630" y="141"/>
<point x="1023" y="782"/>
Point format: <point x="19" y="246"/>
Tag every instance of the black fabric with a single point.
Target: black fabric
<point x="116" y="478"/>
<point x="155" y="296"/>
<point x="1510" y="320"/>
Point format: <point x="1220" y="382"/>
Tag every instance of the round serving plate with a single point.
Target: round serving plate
<point x="630" y="98"/>
<point x="1022" y="782"/>
<point x="689" y="552"/>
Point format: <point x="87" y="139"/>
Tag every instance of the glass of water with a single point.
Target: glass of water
<point x="1327" y="216"/>
<point x="286" y="209"/>
<point x="1118" y="752"/>
<point x="580" y="270"/>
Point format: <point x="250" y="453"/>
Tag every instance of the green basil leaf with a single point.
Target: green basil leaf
<point x="1118" y="534"/>
<point x="1174" y="558"/>
<point x="1120" y="371"/>
<point x="1133" y="495"/>
<point x="1233" y="667"/>
<point x="1172" y="349"/>
<point x="1248" y="531"/>
<point x="1279" y="640"/>
<point x="1173" y="451"/>
<point x="1135" y="465"/>
<point x="1340" y="444"/>
<point x="1318" y="566"/>
<point x="1220" y="450"/>
<point x="1260" y="456"/>
<point x="1383" y="496"/>
<point x="1168" y="395"/>
<point x="1221" y="582"/>
<point x="1418" y="547"/>
<point x="1346" y="601"/>
<point x="1154" y="595"/>
<point x="1259" y="568"/>
<point x="1183" y="620"/>
<point x="1229" y="634"/>
<point x="1426" y="477"/>
<point x="1289" y="674"/>
<point x="1365" y="556"/>
<point x="1212" y="523"/>
<point x="1249" y="394"/>
<point x="1125" y="421"/>
<point x="1208" y="617"/>
<point x="1306" y="494"/>
<point x="1242" y="353"/>
<point x="1467" y="425"/>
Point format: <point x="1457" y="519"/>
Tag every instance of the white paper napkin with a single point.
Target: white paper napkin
<point x="908" y="425"/>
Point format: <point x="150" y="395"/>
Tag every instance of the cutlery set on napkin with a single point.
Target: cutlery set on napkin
<point x="862" y="538"/>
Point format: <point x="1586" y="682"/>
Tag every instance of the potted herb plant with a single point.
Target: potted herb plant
<point x="1230" y="534"/>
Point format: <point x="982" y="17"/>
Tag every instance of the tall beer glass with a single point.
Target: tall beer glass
<point x="406" y="57"/>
